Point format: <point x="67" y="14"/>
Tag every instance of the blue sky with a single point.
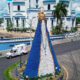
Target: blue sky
<point x="3" y="8"/>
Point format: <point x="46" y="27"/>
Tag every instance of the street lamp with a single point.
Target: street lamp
<point x="20" y="60"/>
<point x="30" y="24"/>
<point x="31" y="30"/>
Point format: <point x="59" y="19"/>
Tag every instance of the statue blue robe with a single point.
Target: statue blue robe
<point x="42" y="59"/>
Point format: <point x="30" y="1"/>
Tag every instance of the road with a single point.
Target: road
<point x="68" y="54"/>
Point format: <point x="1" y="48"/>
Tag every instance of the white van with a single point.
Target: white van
<point x="18" y="50"/>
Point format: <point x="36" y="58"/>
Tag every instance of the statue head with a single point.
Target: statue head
<point x="41" y="14"/>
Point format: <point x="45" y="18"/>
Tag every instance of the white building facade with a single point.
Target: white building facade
<point x="21" y="11"/>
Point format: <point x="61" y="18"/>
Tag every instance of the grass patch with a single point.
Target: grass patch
<point x="7" y="72"/>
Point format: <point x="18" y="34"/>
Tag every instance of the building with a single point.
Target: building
<point x="22" y="11"/>
<point x="16" y="12"/>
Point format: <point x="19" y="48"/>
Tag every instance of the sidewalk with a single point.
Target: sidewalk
<point x="60" y="41"/>
<point x="3" y="53"/>
<point x="12" y="34"/>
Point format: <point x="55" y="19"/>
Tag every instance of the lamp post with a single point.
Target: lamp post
<point x="31" y="30"/>
<point x="30" y="24"/>
<point x="20" y="60"/>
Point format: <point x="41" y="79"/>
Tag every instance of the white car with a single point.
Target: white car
<point x="18" y="50"/>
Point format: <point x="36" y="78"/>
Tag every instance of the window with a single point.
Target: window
<point x="29" y="3"/>
<point x="17" y="23"/>
<point x="68" y="19"/>
<point x="9" y="7"/>
<point x="7" y="23"/>
<point x="23" y="23"/>
<point x="15" y="51"/>
<point x="18" y="7"/>
<point x="52" y="22"/>
<point x="36" y="3"/>
<point x="62" y="19"/>
<point x="36" y="6"/>
<point x="48" y="6"/>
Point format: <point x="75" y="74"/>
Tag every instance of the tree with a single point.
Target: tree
<point x="9" y="24"/>
<point x="1" y="21"/>
<point x="77" y="21"/>
<point x="59" y="12"/>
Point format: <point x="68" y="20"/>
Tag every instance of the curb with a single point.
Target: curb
<point x="66" y="71"/>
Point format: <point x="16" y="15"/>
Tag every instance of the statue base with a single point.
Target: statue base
<point x="57" y="76"/>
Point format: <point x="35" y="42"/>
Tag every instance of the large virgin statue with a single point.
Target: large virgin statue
<point x="42" y="59"/>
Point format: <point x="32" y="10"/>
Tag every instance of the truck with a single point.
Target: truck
<point x="18" y="50"/>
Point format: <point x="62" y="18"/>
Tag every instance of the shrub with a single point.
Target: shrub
<point x="33" y="30"/>
<point x="73" y="29"/>
<point x="8" y="70"/>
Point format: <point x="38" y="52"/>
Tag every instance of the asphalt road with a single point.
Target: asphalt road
<point x="68" y="55"/>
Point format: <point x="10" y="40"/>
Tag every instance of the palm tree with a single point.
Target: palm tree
<point x="60" y="11"/>
<point x="1" y="21"/>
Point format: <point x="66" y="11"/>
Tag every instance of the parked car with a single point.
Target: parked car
<point x="17" y="50"/>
